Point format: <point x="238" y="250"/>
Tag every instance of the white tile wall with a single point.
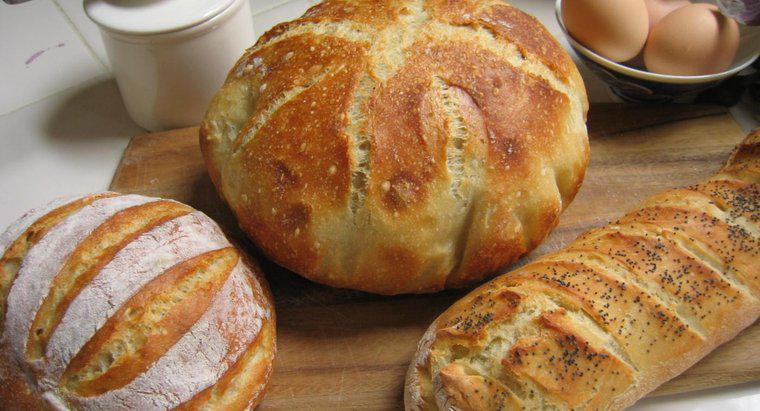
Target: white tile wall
<point x="74" y="11"/>
<point x="41" y="53"/>
<point x="278" y="11"/>
<point x="83" y="55"/>
<point x="267" y="13"/>
<point x="258" y="6"/>
<point x="66" y="144"/>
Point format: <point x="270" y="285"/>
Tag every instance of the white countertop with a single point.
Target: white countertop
<point x="63" y="127"/>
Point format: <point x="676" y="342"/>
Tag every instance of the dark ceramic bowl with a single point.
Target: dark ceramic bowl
<point x="637" y="85"/>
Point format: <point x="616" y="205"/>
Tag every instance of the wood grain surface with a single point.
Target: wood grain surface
<point x="343" y="349"/>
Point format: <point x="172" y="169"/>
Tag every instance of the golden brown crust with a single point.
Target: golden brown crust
<point x="458" y="385"/>
<point x="400" y="145"/>
<point x="89" y="258"/>
<point x="243" y="386"/>
<point x="512" y="25"/>
<point x="745" y="160"/>
<point x="14" y="254"/>
<point x="16" y="394"/>
<point x="569" y="368"/>
<point x="618" y="312"/>
<point x="159" y="315"/>
<point x="140" y="303"/>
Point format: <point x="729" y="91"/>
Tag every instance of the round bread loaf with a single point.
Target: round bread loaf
<point x="120" y="302"/>
<point x="399" y="146"/>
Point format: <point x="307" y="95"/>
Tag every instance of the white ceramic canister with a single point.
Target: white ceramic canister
<point x="169" y="57"/>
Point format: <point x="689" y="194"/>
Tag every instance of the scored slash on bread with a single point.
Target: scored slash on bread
<point x="399" y="146"/>
<point x="619" y="311"/>
<point x="116" y="301"/>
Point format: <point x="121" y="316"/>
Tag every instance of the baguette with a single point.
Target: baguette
<point x="612" y="316"/>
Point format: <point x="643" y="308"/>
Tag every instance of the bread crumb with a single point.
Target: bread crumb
<point x="263" y="87"/>
<point x="386" y="185"/>
<point x="332" y="170"/>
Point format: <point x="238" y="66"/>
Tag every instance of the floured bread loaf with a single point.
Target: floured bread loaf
<point x="123" y="302"/>
<point x="618" y="312"/>
<point x="399" y="146"/>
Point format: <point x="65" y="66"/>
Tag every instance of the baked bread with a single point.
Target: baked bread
<point x="399" y="146"/>
<point x="115" y="302"/>
<point x="618" y="312"/>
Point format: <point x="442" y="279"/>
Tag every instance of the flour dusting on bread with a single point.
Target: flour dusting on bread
<point x="130" y="302"/>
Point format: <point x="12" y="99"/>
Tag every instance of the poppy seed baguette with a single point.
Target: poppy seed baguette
<point x="602" y="322"/>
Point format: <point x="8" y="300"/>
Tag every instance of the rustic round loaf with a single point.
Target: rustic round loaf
<point x="115" y="302"/>
<point x="399" y="146"/>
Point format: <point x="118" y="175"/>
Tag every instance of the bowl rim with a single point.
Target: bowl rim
<point x="647" y="75"/>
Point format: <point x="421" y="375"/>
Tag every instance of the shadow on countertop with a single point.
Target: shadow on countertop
<point x="95" y="111"/>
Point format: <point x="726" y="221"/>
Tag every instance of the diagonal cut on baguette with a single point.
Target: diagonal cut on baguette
<point x="604" y="321"/>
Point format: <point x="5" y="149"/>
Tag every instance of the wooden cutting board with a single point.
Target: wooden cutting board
<point x="347" y="349"/>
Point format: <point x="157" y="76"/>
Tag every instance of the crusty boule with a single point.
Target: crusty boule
<point x="399" y="146"/>
<point x="123" y="302"/>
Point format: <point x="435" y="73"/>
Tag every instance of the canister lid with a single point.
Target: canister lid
<point x="152" y="16"/>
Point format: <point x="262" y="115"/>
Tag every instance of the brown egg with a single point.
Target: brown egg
<point x="693" y="40"/>
<point x="660" y="8"/>
<point x="657" y="9"/>
<point x="616" y="29"/>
